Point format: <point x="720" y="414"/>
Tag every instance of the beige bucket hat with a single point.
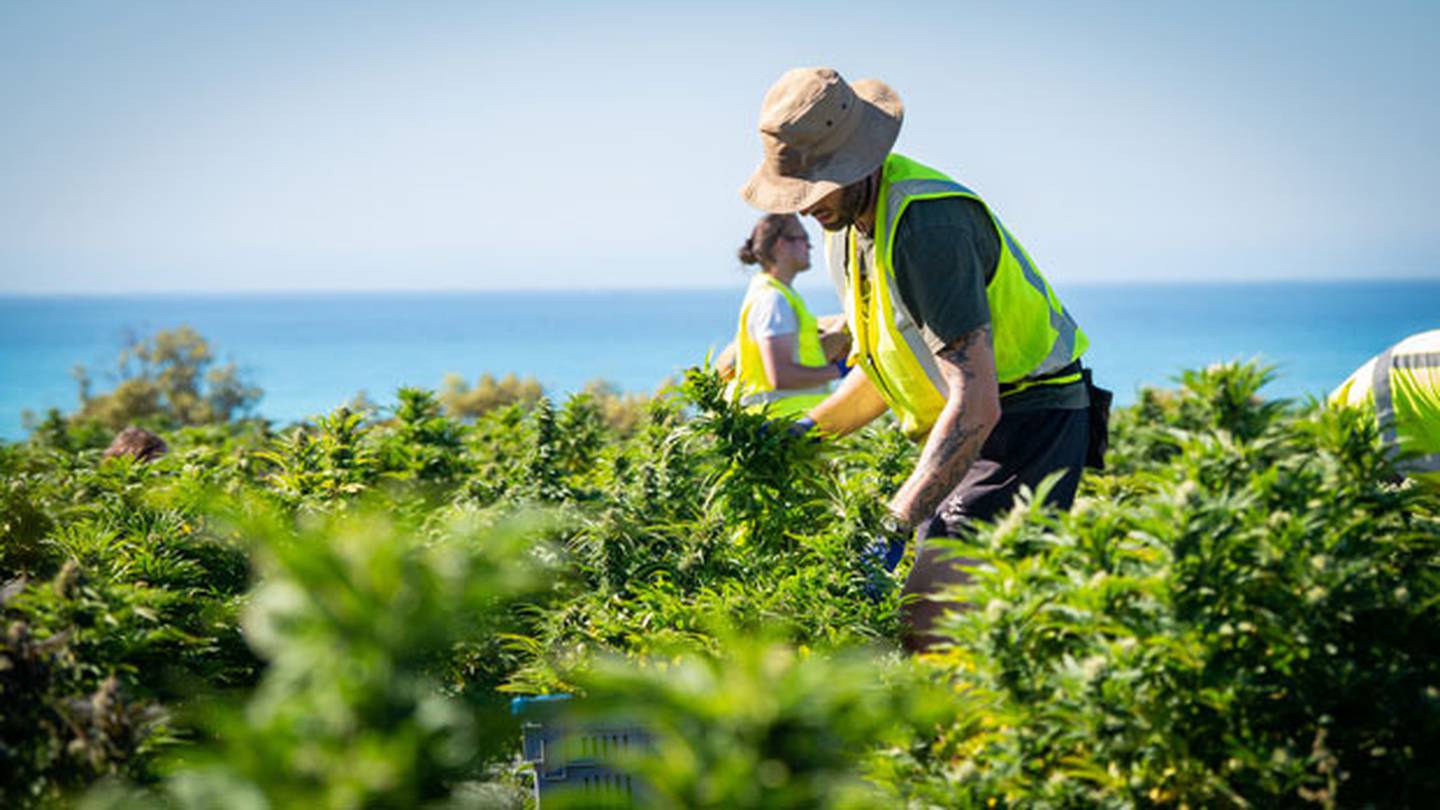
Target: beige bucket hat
<point x="819" y="134"/>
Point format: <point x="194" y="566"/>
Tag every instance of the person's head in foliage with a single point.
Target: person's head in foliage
<point x="137" y="443"/>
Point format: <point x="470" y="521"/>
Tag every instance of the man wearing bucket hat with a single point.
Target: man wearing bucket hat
<point x="955" y="328"/>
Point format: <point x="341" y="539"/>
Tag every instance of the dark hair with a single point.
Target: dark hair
<point x="760" y="247"/>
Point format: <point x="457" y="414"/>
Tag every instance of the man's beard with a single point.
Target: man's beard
<point x="855" y="200"/>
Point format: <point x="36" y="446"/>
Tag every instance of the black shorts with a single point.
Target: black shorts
<point x="1023" y="449"/>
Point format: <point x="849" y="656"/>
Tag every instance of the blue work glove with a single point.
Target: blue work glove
<point x="802" y="426"/>
<point x="880" y="557"/>
<point x="796" y="429"/>
<point x="843" y="367"/>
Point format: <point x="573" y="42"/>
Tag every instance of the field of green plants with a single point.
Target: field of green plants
<point x="1242" y="611"/>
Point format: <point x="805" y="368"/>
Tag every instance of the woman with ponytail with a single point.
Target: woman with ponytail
<point x="780" y="359"/>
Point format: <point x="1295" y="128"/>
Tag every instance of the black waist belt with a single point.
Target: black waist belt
<point x="1010" y="388"/>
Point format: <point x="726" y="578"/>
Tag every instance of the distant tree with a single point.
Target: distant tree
<point x="619" y="409"/>
<point x="460" y="401"/>
<point x="167" y="380"/>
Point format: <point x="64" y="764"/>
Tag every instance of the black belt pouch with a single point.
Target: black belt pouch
<point x="1100" y="400"/>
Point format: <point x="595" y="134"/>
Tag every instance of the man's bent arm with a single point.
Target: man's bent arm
<point x="854" y="405"/>
<point x="972" y="409"/>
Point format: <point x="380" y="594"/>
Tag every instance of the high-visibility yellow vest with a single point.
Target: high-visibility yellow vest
<point x="751" y="385"/>
<point x="1034" y="336"/>
<point x="1401" y="386"/>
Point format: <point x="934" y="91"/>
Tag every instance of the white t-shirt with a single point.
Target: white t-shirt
<point x="771" y="315"/>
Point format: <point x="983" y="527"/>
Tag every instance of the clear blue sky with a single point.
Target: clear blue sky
<point x="150" y="146"/>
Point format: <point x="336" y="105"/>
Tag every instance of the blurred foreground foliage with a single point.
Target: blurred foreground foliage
<point x="1243" y="611"/>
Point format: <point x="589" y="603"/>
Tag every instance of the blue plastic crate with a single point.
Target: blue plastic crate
<point x="574" y="757"/>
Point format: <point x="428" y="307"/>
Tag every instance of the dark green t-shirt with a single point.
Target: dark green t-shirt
<point x="946" y="252"/>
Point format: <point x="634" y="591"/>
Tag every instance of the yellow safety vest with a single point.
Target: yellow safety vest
<point x="1401" y="386"/>
<point x="1034" y="336"/>
<point x="751" y="385"/>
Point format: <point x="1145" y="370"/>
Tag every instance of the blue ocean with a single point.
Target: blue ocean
<point x="313" y="352"/>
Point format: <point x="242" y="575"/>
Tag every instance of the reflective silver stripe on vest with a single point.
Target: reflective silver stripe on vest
<point x="765" y="397"/>
<point x="1418" y="360"/>
<point x="913" y="188"/>
<point x="1064" y="325"/>
<point x="1061" y="321"/>
<point x="905" y="325"/>
<point x="1384" y="403"/>
<point x="836" y="257"/>
<point x="904" y="322"/>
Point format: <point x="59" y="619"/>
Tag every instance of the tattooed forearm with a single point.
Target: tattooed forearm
<point x="945" y="461"/>
<point x="971" y="411"/>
